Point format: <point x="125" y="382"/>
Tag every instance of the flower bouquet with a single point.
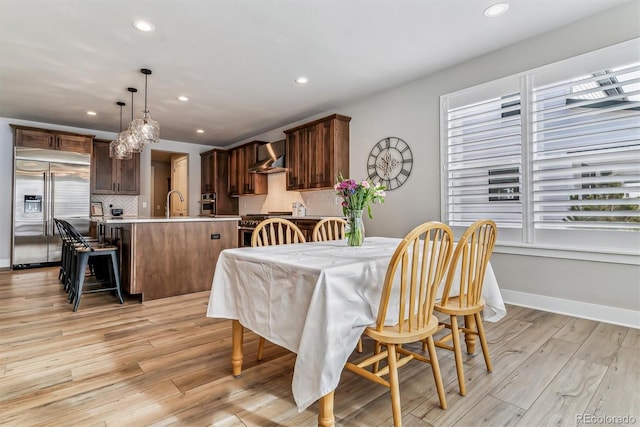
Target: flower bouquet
<point x="355" y="197"/>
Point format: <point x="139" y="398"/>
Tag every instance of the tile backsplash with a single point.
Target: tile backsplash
<point x="129" y="204"/>
<point x="320" y="202"/>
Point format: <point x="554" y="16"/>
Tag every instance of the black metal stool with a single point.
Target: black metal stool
<point x="81" y="252"/>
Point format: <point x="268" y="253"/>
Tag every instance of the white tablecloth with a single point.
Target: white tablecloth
<point x="314" y="299"/>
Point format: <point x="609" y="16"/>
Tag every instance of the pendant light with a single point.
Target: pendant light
<point x="127" y="137"/>
<point x="117" y="149"/>
<point x="146" y="130"/>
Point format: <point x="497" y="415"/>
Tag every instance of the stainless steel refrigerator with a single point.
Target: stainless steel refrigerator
<point x="47" y="184"/>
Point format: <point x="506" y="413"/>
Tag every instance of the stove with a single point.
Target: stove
<point x="250" y="221"/>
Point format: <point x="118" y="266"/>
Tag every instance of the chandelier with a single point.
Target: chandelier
<point x="117" y="148"/>
<point x="145" y="130"/>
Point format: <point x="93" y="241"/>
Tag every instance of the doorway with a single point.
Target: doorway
<point x="169" y="171"/>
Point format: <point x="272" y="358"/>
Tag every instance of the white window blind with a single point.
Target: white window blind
<point x="586" y="151"/>
<point x="552" y="155"/>
<point x="484" y="170"/>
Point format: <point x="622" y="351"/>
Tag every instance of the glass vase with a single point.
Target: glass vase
<point x="355" y="228"/>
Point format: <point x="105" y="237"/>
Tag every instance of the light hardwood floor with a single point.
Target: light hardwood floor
<point x="164" y="363"/>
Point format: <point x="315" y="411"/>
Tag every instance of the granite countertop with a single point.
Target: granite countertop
<point x="147" y="219"/>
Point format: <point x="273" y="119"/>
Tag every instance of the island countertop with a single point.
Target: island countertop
<point x="148" y="219"/>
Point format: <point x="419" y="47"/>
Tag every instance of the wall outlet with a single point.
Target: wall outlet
<point x="337" y="201"/>
<point x="144" y="204"/>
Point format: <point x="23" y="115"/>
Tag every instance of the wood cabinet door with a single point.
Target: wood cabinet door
<point x="103" y="169"/>
<point x="34" y="139"/>
<point x="206" y="172"/>
<point x="234" y="171"/>
<point x="249" y="157"/>
<point x="128" y="175"/>
<point x="320" y="174"/>
<point x="75" y="143"/>
<point x="225" y="205"/>
<point x="295" y="158"/>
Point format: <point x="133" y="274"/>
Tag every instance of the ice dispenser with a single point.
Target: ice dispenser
<point x="32" y="203"/>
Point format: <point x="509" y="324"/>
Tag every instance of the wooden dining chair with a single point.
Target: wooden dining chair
<point x="408" y="296"/>
<point x="329" y="229"/>
<point x="471" y="257"/>
<point x="276" y="231"/>
<point x="271" y="232"/>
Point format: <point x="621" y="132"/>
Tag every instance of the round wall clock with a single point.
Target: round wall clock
<point x="390" y="162"/>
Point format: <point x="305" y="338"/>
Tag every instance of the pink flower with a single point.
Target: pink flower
<point x="365" y="184"/>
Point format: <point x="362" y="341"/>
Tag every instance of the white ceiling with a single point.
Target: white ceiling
<point x="236" y="60"/>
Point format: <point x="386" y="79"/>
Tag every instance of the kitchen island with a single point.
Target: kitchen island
<point x="163" y="257"/>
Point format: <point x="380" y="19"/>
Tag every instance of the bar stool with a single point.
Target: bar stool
<point x="82" y="252"/>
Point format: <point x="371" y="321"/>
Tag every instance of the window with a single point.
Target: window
<point x="555" y="161"/>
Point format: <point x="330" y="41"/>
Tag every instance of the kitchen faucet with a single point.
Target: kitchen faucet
<point x="167" y="210"/>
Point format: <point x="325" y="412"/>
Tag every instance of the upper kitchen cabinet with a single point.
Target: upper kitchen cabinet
<point x="317" y="152"/>
<point x="51" y="139"/>
<point x="215" y="176"/>
<point x="113" y="176"/>
<point x="241" y="181"/>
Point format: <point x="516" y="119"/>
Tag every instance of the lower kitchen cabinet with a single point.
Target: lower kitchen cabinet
<point x="166" y="258"/>
<point x="113" y="176"/>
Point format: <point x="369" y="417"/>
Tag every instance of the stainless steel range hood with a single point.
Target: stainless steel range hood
<point x="270" y="158"/>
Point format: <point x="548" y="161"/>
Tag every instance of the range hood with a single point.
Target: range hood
<point x="270" y="158"/>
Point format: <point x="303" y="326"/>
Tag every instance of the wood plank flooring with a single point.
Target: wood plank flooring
<point x="163" y="363"/>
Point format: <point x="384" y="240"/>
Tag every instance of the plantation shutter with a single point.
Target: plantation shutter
<point x="586" y="151"/>
<point x="484" y="161"/>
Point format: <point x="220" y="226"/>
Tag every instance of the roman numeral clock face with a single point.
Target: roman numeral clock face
<point x="390" y="162"/>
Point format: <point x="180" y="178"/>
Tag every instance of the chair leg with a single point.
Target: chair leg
<point x="115" y="276"/>
<point x="376" y="350"/>
<point x="435" y="367"/>
<point x="260" y="348"/>
<point x="483" y="342"/>
<point x="455" y="334"/>
<point x="394" y="386"/>
<point x="360" y="345"/>
<point x="79" y="282"/>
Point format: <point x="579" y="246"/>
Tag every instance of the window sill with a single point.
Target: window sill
<point x="581" y="254"/>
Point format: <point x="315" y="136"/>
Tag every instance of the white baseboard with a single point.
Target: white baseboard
<point x="5" y="263"/>
<point x="585" y="310"/>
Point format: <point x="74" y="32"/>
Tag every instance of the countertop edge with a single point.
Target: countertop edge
<point x="126" y="220"/>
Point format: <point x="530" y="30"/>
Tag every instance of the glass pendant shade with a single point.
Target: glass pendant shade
<point x="132" y="143"/>
<point x="117" y="148"/>
<point x="146" y="130"/>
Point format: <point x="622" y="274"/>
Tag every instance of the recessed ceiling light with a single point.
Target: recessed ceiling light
<point x="91" y="113"/>
<point x="496" y="9"/>
<point x="145" y="26"/>
<point x="200" y="131"/>
<point x="302" y="80"/>
<point x="183" y="98"/>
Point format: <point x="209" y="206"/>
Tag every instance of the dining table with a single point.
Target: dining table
<point x="314" y="299"/>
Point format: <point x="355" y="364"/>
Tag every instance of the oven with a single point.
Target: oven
<point x="208" y="204"/>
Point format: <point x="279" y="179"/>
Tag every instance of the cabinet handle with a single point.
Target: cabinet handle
<point x="113" y="186"/>
<point x="118" y="187"/>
